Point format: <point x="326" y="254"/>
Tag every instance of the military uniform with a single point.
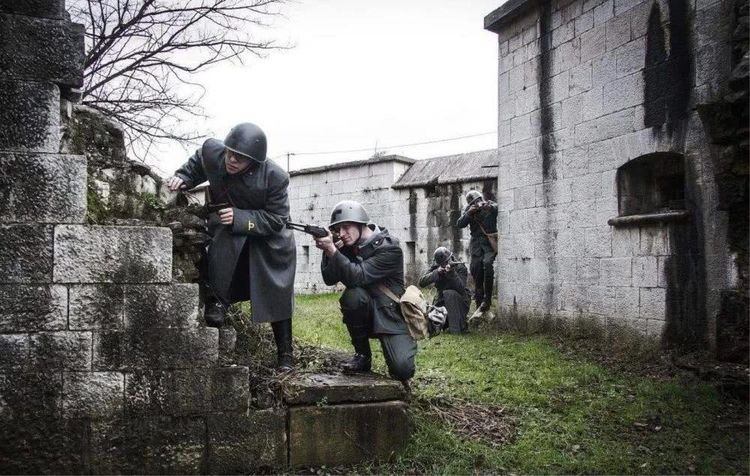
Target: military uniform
<point x="254" y="258"/>
<point x="451" y="293"/>
<point x="367" y="312"/>
<point x="482" y="254"/>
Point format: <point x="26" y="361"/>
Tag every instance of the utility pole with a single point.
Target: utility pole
<point x="288" y="155"/>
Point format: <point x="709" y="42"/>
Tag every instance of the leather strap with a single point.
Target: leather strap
<point x="382" y="287"/>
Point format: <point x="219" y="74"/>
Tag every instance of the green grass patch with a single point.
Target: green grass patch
<point x="569" y="413"/>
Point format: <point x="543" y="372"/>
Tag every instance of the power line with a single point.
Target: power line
<point x="365" y="149"/>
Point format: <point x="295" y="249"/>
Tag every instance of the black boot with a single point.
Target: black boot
<point x="362" y="360"/>
<point x="282" y="334"/>
<point x="214" y="313"/>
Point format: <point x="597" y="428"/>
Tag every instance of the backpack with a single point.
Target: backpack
<point x="415" y="311"/>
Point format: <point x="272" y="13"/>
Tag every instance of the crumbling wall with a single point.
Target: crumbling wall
<point x="105" y="364"/>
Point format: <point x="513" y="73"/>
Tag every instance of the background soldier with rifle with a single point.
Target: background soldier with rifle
<point x="449" y="277"/>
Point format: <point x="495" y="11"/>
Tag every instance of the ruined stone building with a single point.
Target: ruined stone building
<point x="417" y="201"/>
<point x="623" y="178"/>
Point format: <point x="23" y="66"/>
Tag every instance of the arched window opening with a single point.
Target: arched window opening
<point x="651" y="184"/>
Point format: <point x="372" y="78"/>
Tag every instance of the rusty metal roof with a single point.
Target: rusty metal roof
<point x="466" y="167"/>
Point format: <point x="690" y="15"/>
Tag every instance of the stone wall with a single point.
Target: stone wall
<point x="585" y="88"/>
<point x="105" y="364"/>
<point x="422" y="217"/>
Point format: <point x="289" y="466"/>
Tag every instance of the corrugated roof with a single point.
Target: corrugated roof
<point x="466" y="167"/>
<point x="356" y="163"/>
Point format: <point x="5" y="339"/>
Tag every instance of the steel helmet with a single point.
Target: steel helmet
<point x="348" y="211"/>
<point x="247" y="140"/>
<point x="473" y="196"/>
<point x="442" y="255"/>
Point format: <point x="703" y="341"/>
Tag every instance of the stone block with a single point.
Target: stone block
<point x="625" y="242"/>
<point x="99" y="306"/>
<point x="566" y="56"/>
<point x="41" y="50"/>
<point x="152" y="445"/>
<point x="584" y="22"/>
<point x="616" y="272"/>
<point x="35" y="8"/>
<point x="156" y="348"/>
<point x="587" y="271"/>
<point x="63" y="350"/>
<point x="602" y="300"/>
<point x="563" y="33"/>
<point x="25" y="308"/>
<point x="235" y="445"/>
<point x="320" y="388"/>
<point x="618" y="31"/>
<point x="108" y="254"/>
<point x="171" y="305"/>
<point x="227" y="343"/>
<point x="580" y="79"/>
<point x="605" y="127"/>
<point x="354" y="433"/>
<point x="603" y="12"/>
<point x="42" y="188"/>
<point x="26" y="254"/>
<point x="623" y="93"/>
<point x="92" y="394"/>
<point x="593" y="43"/>
<point x="627" y="302"/>
<point x="645" y="272"/>
<point x="587" y="187"/>
<point x="653" y="303"/>
<point x="570" y="242"/>
<point x="29" y="393"/>
<point x="29" y="116"/>
<point x="654" y="241"/>
<point x="631" y="57"/>
<point x="14" y="351"/>
<point x="187" y="392"/>
<point x="40" y="444"/>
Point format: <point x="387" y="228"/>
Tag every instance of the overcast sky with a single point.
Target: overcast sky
<point x="362" y="74"/>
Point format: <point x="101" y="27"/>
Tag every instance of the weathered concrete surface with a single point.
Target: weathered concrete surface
<point x="41" y="50"/>
<point x="105" y="254"/>
<point x="42" y="188"/>
<point x="35" y="8"/>
<point x="153" y="445"/>
<point x="33" y="307"/>
<point x="29" y="116"/>
<point x="25" y="254"/>
<point x="156" y="348"/>
<point x="173" y="305"/>
<point x="346" y="434"/>
<point x="92" y="394"/>
<point x="187" y="392"/>
<point x="96" y="306"/>
<point x="238" y="444"/>
<point x="329" y="389"/>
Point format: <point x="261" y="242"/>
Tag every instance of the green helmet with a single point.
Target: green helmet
<point x="442" y="255"/>
<point x="473" y="196"/>
<point x="348" y="211"/>
<point x="247" y="140"/>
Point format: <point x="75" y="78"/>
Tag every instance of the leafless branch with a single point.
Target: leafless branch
<point x="142" y="54"/>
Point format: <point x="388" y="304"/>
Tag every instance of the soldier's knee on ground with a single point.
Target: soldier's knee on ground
<point x="401" y="368"/>
<point x="355" y="305"/>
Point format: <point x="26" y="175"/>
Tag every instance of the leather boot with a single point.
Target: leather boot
<point x="362" y="360"/>
<point x="214" y="313"/>
<point x="282" y="334"/>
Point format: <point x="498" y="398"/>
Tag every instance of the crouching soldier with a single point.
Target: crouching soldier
<point x="449" y="277"/>
<point x="363" y="259"/>
<point x="252" y="254"/>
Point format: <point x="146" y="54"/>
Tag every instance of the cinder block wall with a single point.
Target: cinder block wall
<point x="584" y="87"/>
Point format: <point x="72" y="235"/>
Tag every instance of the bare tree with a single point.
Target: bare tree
<point x="141" y="56"/>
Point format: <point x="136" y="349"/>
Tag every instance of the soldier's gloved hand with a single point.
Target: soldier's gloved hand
<point x="226" y="216"/>
<point x="176" y="183"/>
<point x="327" y="245"/>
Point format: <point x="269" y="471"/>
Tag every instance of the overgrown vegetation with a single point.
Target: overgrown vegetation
<point x="551" y="409"/>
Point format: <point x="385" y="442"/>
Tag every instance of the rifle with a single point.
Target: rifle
<point x="315" y="231"/>
<point x="215" y="207"/>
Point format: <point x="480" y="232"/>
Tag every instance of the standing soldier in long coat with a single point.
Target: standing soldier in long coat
<point x="252" y="255"/>
<point x="480" y="216"/>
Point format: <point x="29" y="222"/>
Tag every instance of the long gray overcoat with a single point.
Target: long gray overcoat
<point x="261" y="208"/>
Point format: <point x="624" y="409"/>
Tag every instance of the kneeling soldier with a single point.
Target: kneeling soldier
<point x="363" y="258"/>
<point x="449" y="277"/>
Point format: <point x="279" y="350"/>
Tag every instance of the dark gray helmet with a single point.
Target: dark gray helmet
<point x="473" y="196"/>
<point x="442" y="255"/>
<point x="248" y="140"/>
<point x="348" y="211"/>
